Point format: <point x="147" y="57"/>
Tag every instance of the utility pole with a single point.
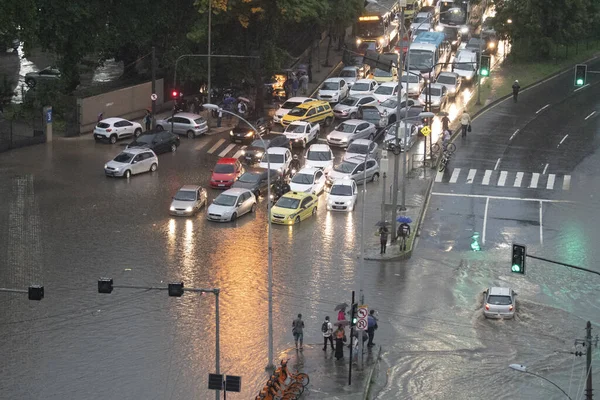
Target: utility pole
<point x="588" y="362"/>
<point x="208" y="88"/>
<point x="153" y="87"/>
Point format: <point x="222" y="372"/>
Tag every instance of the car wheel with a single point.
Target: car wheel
<point x="30" y="82"/>
<point x="190" y="134"/>
<point x="233" y="217"/>
<point x="113" y="139"/>
<point x="297" y="220"/>
<point x="127" y="174"/>
<point x="253" y="209"/>
<point x="153" y="167"/>
<point x="328" y="121"/>
<point x="159" y="128"/>
<point x="137" y="132"/>
<point x="375" y="177"/>
<point x="173" y="148"/>
<point x="371" y="136"/>
<point x="353" y="115"/>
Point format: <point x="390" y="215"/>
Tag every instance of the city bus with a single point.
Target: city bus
<point x="378" y="23"/>
<point x="454" y="14"/>
<point x="427" y="53"/>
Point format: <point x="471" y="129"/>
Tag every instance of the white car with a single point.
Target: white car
<point x="420" y="20"/>
<point x="350" y="74"/>
<point x="113" y="129"/>
<point x="437" y="94"/>
<point x="364" y="86"/>
<point x="319" y="156"/>
<point x="188" y="200"/>
<point x="451" y="81"/>
<point x="278" y="157"/>
<point x="348" y="108"/>
<point x="342" y="195"/>
<point x="308" y="180"/>
<point x="131" y="162"/>
<point x="333" y="90"/>
<point x="350" y="130"/>
<point x="301" y="132"/>
<point x="387" y="90"/>
<point x="465" y="65"/>
<point x="360" y="147"/>
<point x="288" y="105"/>
<point x="231" y="204"/>
<point x="414" y="82"/>
<point x="354" y="168"/>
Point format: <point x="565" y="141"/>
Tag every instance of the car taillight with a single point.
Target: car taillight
<point x="487" y="307"/>
<point x="108" y="130"/>
<point x="510" y="308"/>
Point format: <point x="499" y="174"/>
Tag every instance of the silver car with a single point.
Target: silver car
<point x="360" y="147"/>
<point x="188" y="124"/>
<point x="48" y="74"/>
<point x="350" y="74"/>
<point x="390" y="136"/>
<point x="231" y="204"/>
<point x="348" y="108"/>
<point x="188" y="200"/>
<point x="354" y="168"/>
<point x="499" y="302"/>
<point x="132" y="161"/>
<point x="348" y="131"/>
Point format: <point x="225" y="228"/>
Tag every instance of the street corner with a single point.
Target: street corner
<point x="392" y="253"/>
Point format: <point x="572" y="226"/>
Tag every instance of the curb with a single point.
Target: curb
<point x="370" y="379"/>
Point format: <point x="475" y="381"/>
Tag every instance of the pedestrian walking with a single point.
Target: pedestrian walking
<point x="383" y="237"/>
<point x="298" y="331"/>
<point x="515" y="88"/>
<point x="403" y="234"/>
<point x="219" y="118"/>
<point x="342" y="315"/>
<point x="340" y="339"/>
<point x="295" y="86"/>
<point x="465" y="123"/>
<point x="100" y="117"/>
<point x="148" y="120"/>
<point x="327" y="330"/>
<point x="304" y="84"/>
<point x="445" y="123"/>
<point x="371" y="327"/>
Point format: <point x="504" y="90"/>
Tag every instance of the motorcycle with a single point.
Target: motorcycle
<point x="445" y="160"/>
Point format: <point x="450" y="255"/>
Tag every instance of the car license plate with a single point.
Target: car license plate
<point x="337" y="207"/>
<point x="179" y="212"/>
<point x="99" y="137"/>
<point x="238" y="140"/>
<point x="249" y="159"/>
<point x="221" y="185"/>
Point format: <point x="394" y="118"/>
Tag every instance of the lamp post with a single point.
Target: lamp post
<point x="269" y="240"/>
<point x="523" y="368"/>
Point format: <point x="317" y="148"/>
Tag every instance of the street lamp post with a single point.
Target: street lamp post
<point x="209" y="106"/>
<point x="523" y="368"/>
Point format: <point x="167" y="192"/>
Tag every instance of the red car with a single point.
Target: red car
<point x="227" y="171"/>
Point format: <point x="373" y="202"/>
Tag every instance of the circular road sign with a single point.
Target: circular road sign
<point x="153" y="96"/>
<point x="363" y="312"/>
<point x="426" y="130"/>
<point x="361" y="324"/>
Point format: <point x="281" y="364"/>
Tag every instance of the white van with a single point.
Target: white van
<point x="465" y="65"/>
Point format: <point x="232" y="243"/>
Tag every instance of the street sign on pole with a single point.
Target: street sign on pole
<point x="425" y="130"/>
<point x="153" y="97"/>
<point x="362" y="313"/>
<point x="362" y="324"/>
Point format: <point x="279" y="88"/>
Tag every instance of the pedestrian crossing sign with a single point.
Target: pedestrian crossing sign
<point x="426" y="131"/>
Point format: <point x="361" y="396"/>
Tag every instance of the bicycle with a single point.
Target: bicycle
<point x="298" y="376"/>
<point x="273" y="389"/>
<point x="449" y="147"/>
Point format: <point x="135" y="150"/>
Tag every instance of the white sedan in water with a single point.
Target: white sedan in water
<point x="308" y="180"/>
<point x="342" y="195"/>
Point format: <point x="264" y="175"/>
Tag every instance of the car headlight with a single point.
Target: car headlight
<point x="491" y="45"/>
<point x="464" y="29"/>
<point x="172" y="208"/>
<point x="468" y="78"/>
<point x="344" y="139"/>
<point x="349" y="202"/>
<point x="230" y="133"/>
<point x="243" y="152"/>
<point x="105" y="166"/>
<point x="358" y="41"/>
<point x="439" y="28"/>
<point x="188" y="209"/>
<point x="259" y="154"/>
<point x="381" y="40"/>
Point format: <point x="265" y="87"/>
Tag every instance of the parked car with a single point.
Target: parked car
<point x="391" y="132"/>
<point x="242" y="133"/>
<point x="333" y="90"/>
<point x="288" y="106"/>
<point x="451" y="81"/>
<point x="342" y="195"/>
<point x="279" y="159"/>
<point x="132" y="162"/>
<point x="348" y="131"/>
<point x="225" y="173"/>
<point x="361" y="147"/>
<point x="350" y="74"/>
<point x="319" y="156"/>
<point x="48" y="74"/>
<point x="348" y="108"/>
<point x="231" y="204"/>
<point x="499" y="302"/>
<point x="437" y="94"/>
<point x="157" y="141"/>
<point x="113" y="129"/>
<point x="256" y="180"/>
<point x="308" y="180"/>
<point x="253" y="153"/>
<point x="354" y="168"/>
<point x="301" y="132"/>
<point x="387" y="90"/>
<point x="188" y="200"/>
<point x="188" y="124"/>
<point x="363" y="86"/>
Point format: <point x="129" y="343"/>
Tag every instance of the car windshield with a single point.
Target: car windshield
<point x="361" y="87"/>
<point x="303" y="179"/>
<point x="447" y="79"/>
<point x="419" y="19"/>
<point x="358" y="148"/>
<point x="382" y="74"/>
<point x="318" y="155"/>
<point x="225" y="200"/>
<point x="346" y="167"/>
<point x="145" y="139"/>
<point x="434" y="91"/>
<point x="386" y="90"/>
<point x="341" y="190"/>
<point x="475" y="43"/>
<point x="274" y="158"/>
<point x="224" y="169"/>
<point x="288" y="105"/>
<point x="499" y="300"/>
<point x="409" y="78"/>
<point x="421" y="59"/>
<point x="389" y="103"/>
<point x="124" y="157"/>
<point x="346" y="128"/>
<point x="330" y="86"/>
<point x="249" y="177"/>
<point x="370" y="28"/>
<point x="298" y="112"/>
<point x="348" y="73"/>
<point x="349" y="101"/>
<point x="103" y="125"/>
<point x="465" y="66"/>
<point x="185" y="195"/>
<point x="295" y="128"/>
<point x="286" y="202"/>
<point x="370" y="113"/>
<point x="259" y="143"/>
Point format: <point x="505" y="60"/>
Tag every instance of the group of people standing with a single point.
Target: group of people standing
<point x="294" y="83"/>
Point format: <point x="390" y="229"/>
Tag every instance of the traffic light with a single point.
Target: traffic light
<point x="475" y="242"/>
<point x="580" y="74"/>
<point x="353" y="314"/>
<point x="485" y="66"/>
<point x="174" y="94"/>
<point x="518" y="259"/>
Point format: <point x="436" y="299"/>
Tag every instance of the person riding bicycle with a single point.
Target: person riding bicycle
<point x="445" y="138"/>
<point x="295" y="163"/>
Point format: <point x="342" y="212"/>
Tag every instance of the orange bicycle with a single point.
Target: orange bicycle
<point x="299" y="377"/>
<point x="273" y="389"/>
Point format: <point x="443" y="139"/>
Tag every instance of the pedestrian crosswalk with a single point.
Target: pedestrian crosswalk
<point x="220" y="147"/>
<point x="514" y="179"/>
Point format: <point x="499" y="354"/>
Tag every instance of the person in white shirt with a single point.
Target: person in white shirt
<point x="327" y="330"/>
<point x="465" y="122"/>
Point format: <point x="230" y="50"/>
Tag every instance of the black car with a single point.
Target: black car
<point x="255" y="179"/>
<point x="453" y="37"/>
<point x="491" y="42"/>
<point x="253" y="153"/>
<point x="475" y="44"/>
<point x="243" y="133"/>
<point x="157" y="141"/>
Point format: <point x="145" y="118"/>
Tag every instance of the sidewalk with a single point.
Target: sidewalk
<point x="328" y="376"/>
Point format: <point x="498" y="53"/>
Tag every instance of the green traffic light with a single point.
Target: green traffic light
<point x="579" y="82"/>
<point x="485" y="72"/>
<point x="516" y="268"/>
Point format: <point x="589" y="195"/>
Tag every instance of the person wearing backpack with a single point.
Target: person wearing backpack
<point x="327" y="330"/>
<point x="297" y="331"/>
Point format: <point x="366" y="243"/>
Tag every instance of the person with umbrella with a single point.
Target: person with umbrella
<point x="340" y="339"/>
<point x="403" y="230"/>
<point x="341" y="308"/>
<point x="383" y="237"/>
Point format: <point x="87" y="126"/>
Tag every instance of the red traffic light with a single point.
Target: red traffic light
<point x="174" y="94"/>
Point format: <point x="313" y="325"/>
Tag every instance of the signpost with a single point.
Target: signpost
<point x="153" y="97"/>
<point x="227" y="383"/>
<point x="363" y="313"/>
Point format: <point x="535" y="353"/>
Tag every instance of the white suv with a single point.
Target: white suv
<point x="113" y="129"/>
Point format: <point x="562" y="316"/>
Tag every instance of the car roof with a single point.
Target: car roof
<point x="236" y="191"/>
<point x="342" y="182"/>
<point x="465" y="54"/>
<point x="390" y="84"/>
<point x="364" y="81"/>
<point x="190" y="187"/>
<point x="353" y="121"/>
<point x="499" y="291"/>
<point x="335" y="79"/>
<point x="308" y="170"/>
<point x="350" y="67"/>
<point x="112" y="120"/>
<point x="188" y="115"/>
<point x="276" y="150"/>
<point x="300" y="99"/>
<point x="362" y="141"/>
<point x="299" y="123"/>
<point x="358" y="159"/>
<point x="227" y="161"/>
<point x="319" y="147"/>
<point x="448" y="73"/>
<point x="358" y="96"/>
<point x="297" y="195"/>
<point x="436" y="85"/>
<point x="136" y="150"/>
<point x="312" y="104"/>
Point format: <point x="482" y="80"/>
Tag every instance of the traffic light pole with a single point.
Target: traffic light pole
<point x="352" y="308"/>
<point x="479" y="73"/>
<point x="563" y="264"/>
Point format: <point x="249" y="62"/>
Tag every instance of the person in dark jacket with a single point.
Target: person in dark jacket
<point x="383" y="237"/>
<point x="371" y="326"/>
<point x="516" y="87"/>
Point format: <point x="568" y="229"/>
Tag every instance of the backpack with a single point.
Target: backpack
<point x="325" y="327"/>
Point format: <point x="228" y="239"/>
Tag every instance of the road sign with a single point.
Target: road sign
<point x="426" y="131"/>
<point x="363" y="311"/>
<point x="153" y="96"/>
<point x="362" y="324"/>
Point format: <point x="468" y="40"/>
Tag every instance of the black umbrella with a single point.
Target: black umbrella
<point x="382" y="223"/>
<point x="341" y="306"/>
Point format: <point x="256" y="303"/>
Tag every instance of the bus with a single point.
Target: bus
<point x="378" y="23"/>
<point x="427" y="53"/>
<point x="457" y="19"/>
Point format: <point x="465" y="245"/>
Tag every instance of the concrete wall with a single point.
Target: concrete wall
<point x="130" y="103"/>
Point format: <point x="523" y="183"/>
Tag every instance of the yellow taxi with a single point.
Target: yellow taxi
<point x="313" y="111"/>
<point x="293" y="207"/>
